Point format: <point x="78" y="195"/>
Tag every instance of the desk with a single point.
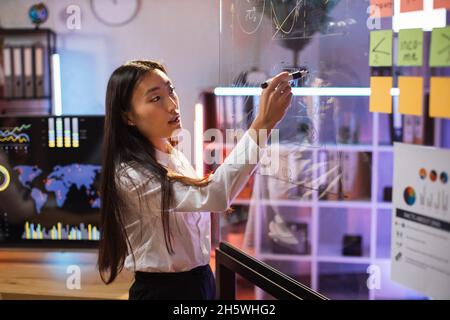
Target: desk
<point x="29" y="274"/>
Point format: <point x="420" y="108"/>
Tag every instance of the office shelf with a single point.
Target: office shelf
<point x="345" y="204"/>
<point x="28" y="89"/>
<point x="285" y="257"/>
<point x="285" y="202"/>
<point x="327" y="220"/>
<point x="384" y="205"/>
<point x="341" y="259"/>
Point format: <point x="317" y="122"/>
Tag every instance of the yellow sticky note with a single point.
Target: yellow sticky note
<point x="440" y="97"/>
<point x="410" y="100"/>
<point x="380" y="96"/>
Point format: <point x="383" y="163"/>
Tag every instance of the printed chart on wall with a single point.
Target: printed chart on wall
<point x="420" y="244"/>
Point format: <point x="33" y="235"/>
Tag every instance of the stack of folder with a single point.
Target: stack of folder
<point x="22" y="73"/>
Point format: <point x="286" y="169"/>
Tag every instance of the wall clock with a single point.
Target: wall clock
<point x="115" y="12"/>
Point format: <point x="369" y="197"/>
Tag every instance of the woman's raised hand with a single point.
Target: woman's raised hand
<point x="275" y="100"/>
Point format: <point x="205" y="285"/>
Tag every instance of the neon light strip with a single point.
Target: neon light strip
<point x="330" y="92"/>
<point x="56" y="71"/>
<point x="198" y="134"/>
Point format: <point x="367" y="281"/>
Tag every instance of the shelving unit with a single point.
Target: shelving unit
<point x="328" y="221"/>
<point x="37" y="103"/>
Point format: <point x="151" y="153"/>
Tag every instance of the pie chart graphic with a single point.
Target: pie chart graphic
<point x="423" y="174"/>
<point x="4" y="178"/>
<point x="409" y="195"/>
<point x="444" y="177"/>
<point x="433" y="175"/>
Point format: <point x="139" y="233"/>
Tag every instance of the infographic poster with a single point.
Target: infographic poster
<point x="420" y="246"/>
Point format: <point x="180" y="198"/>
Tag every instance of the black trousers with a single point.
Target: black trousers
<point x="196" y="284"/>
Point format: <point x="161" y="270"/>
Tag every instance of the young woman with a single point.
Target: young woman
<point x="154" y="218"/>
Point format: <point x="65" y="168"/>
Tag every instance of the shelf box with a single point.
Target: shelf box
<point x="343" y="281"/>
<point x="384" y="222"/>
<point x="287" y="230"/>
<point x="334" y="224"/>
<point x="385" y="176"/>
<point x="344" y="175"/>
<point x="297" y="270"/>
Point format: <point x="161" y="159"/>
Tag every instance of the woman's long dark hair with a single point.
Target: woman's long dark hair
<point x="125" y="144"/>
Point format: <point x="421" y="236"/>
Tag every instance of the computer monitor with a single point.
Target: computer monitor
<point x="49" y="178"/>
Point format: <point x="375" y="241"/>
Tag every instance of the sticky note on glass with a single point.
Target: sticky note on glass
<point x="440" y="47"/>
<point x="410" y="47"/>
<point x="381" y="8"/>
<point x="410" y="100"/>
<point x="380" y="96"/>
<point x="440" y="97"/>
<point x="411" y="5"/>
<point x="438" y="4"/>
<point x="380" y="52"/>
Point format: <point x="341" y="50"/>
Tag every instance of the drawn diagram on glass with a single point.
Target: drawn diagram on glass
<point x="291" y="19"/>
<point x="250" y="14"/>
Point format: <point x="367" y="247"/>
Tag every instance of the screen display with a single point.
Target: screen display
<point x="49" y="179"/>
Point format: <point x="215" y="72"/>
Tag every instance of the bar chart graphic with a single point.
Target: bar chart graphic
<point x="63" y="133"/>
<point x="59" y="232"/>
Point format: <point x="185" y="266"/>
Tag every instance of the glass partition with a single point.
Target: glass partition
<point x="322" y="215"/>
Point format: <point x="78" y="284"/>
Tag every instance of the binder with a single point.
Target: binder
<point x="332" y="186"/>
<point x="7" y="71"/>
<point x="28" y="72"/>
<point x="39" y="71"/>
<point x="356" y="179"/>
<point x="419" y="130"/>
<point x="408" y="129"/>
<point x="2" y="74"/>
<point x="18" y="89"/>
<point x="424" y="129"/>
<point x="396" y="121"/>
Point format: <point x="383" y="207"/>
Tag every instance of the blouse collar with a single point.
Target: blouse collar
<point x="162" y="157"/>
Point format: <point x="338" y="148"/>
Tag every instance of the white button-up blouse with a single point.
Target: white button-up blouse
<point x="189" y="218"/>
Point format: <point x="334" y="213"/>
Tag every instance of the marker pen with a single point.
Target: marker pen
<point x="293" y="76"/>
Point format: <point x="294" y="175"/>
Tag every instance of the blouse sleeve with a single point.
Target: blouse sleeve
<point x="224" y="184"/>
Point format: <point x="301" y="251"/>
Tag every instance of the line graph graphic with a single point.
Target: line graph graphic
<point x="15" y="135"/>
<point x="18" y="129"/>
